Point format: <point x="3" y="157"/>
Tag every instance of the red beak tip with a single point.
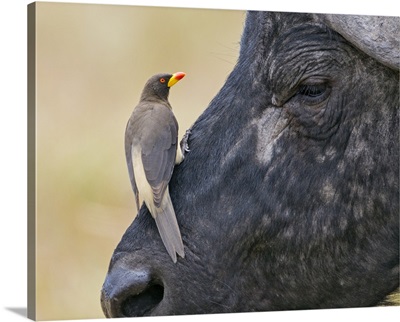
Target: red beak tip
<point x="180" y="75"/>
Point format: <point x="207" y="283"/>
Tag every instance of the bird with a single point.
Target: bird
<point x="152" y="151"/>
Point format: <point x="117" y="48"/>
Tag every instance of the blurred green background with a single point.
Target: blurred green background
<point x="92" y="63"/>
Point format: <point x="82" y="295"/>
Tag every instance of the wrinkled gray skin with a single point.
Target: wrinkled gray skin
<point x="289" y="196"/>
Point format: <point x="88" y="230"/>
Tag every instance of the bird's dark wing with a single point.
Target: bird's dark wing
<point x="128" y="155"/>
<point x="159" y="144"/>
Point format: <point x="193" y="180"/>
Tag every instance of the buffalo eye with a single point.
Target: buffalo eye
<point x="312" y="94"/>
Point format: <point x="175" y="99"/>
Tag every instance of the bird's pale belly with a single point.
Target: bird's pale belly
<point x="145" y="191"/>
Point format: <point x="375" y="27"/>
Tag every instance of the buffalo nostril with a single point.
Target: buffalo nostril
<point x="128" y="293"/>
<point x="143" y="303"/>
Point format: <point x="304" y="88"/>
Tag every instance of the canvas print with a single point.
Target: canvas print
<point x="192" y="161"/>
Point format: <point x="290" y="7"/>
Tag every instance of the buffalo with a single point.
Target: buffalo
<point x="289" y="195"/>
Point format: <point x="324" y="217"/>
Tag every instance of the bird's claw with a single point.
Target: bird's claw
<point x="184" y="142"/>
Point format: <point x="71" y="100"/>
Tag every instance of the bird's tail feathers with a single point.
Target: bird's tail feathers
<point x="168" y="227"/>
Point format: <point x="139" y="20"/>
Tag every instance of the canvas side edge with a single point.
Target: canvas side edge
<point x="31" y="113"/>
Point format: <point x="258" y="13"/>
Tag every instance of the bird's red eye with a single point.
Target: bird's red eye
<point x="162" y="80"/>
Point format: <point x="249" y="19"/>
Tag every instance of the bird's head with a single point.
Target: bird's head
<point x="158" y="85"/>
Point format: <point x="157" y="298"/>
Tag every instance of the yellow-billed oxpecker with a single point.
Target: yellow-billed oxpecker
<point x="151" y="149"/>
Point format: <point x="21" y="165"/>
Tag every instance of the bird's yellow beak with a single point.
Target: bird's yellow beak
<point x="175" y="78"/>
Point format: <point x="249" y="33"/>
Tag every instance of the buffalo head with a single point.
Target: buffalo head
<point x="289" y="196"/>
